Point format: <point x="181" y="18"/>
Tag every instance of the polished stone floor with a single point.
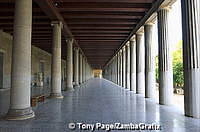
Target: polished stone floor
<point x="98" y="101"/>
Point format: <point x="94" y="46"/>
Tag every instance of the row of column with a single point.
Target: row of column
<point x="20" y="95"/>
<point x="82" y="69"/>
<point x="133" y="67"/>
<point x="136" y="63"/>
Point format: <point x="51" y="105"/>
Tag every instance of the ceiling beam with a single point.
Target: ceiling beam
<point x="106" y="1"/>
<point x="63" y="5"/>
<point x="105" y="9"/>
<point x="88" y="16"/>
<point x="51" y="11"/>
<point x="153" y="9"/>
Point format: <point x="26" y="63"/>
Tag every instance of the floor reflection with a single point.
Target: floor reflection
<point x="98" y="100"/>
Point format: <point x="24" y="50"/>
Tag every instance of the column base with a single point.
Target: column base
<point x="56" y="96"/>
<point x="76" y="85"/>
<point x="20" y="114"/>
<point x="69" y="89"/>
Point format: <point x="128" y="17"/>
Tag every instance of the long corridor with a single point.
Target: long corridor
<point x="101" y="101"/>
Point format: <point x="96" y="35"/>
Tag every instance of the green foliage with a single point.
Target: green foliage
<point x="157" y="75"/>
<point x="177" y="66"/>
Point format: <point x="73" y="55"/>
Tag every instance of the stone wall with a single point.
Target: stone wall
<point x="38" y="56"/>
<point x="6" y="48"/>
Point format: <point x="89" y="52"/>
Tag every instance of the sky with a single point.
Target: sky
<point x="175" y="27"/>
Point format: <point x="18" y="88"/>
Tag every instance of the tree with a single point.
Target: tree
<point x="178" y="66"/>
<point x="178" y="78"/>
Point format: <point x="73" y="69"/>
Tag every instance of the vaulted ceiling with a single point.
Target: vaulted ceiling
<point x="98" y="26"/>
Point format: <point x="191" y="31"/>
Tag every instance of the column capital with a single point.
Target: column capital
<point x="164" y="7"/>
<point x="132" y="38"/>
<point x="127" y="45"/>
<point x="140" y="32"/>
<point x="149" y="23"/>
<point x="70" y="40"/>
<point x="57" y="23"/>
<point x="124" y="48"/>
<point x="118" y="53"/>
<point x="133" y="41"/>
<point x="76" y="48"/>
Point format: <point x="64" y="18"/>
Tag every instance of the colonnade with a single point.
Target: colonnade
<point x="141" y="60"/>
<point x="20" y="95"/>
<point x="132" y="67"/>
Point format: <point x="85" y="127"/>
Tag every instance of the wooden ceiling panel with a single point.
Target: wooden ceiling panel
<point x="99" y="26"/>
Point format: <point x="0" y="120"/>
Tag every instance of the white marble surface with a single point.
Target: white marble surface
<point x="101" y="101"/>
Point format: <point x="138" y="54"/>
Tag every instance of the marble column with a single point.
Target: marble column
<point x="83" y="69"/>
<point x="110" y="68"/>
<point x="150" y="79"/>
<point x="114" y="64"/>
<point x="133" y="65"/>
<point x="140" y="75"/>
<point x="121" y="69"/>
<point x="127" y="66"/>
<point x="114" y="70"/>
<point x="111" y="71"/>
<point x="118" y="69"/>
<point x="164" y="58"/>
<point x="124" y="67"/>
<point x="76" y="67"/>
<point x="86" y="70"/>
<point x="107" y="69"/>
<point x="56" y="61"/>
<point x="69" y="65"/>
<point x="191" y="58"/>
<point x="80" y="69"/>
<point x="20" y="93"/>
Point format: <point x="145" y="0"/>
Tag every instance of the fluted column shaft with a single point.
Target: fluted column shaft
<point x="110" y="72"/>
<point x="121" y="68"/>
<point x="140" y="75"/>
<point x="115" y="69"/>
<point x="118" y="69"/>
<point x="133" y="65"/>
<point x="191" y="58"/>
<point x="124" y="67"/>
<point x="69" y="65"/>
<point x="80" y="68"/>
<point x="76" y="67"/>
<point x="21" y="63"/>
<point x="86" y="71"/>
<point x="128" y="67"/>
<point x="83" y="69"/>
<point x="150" y="79"/>
<point x="56" y="61"/>
<point x="164" y="58"/>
